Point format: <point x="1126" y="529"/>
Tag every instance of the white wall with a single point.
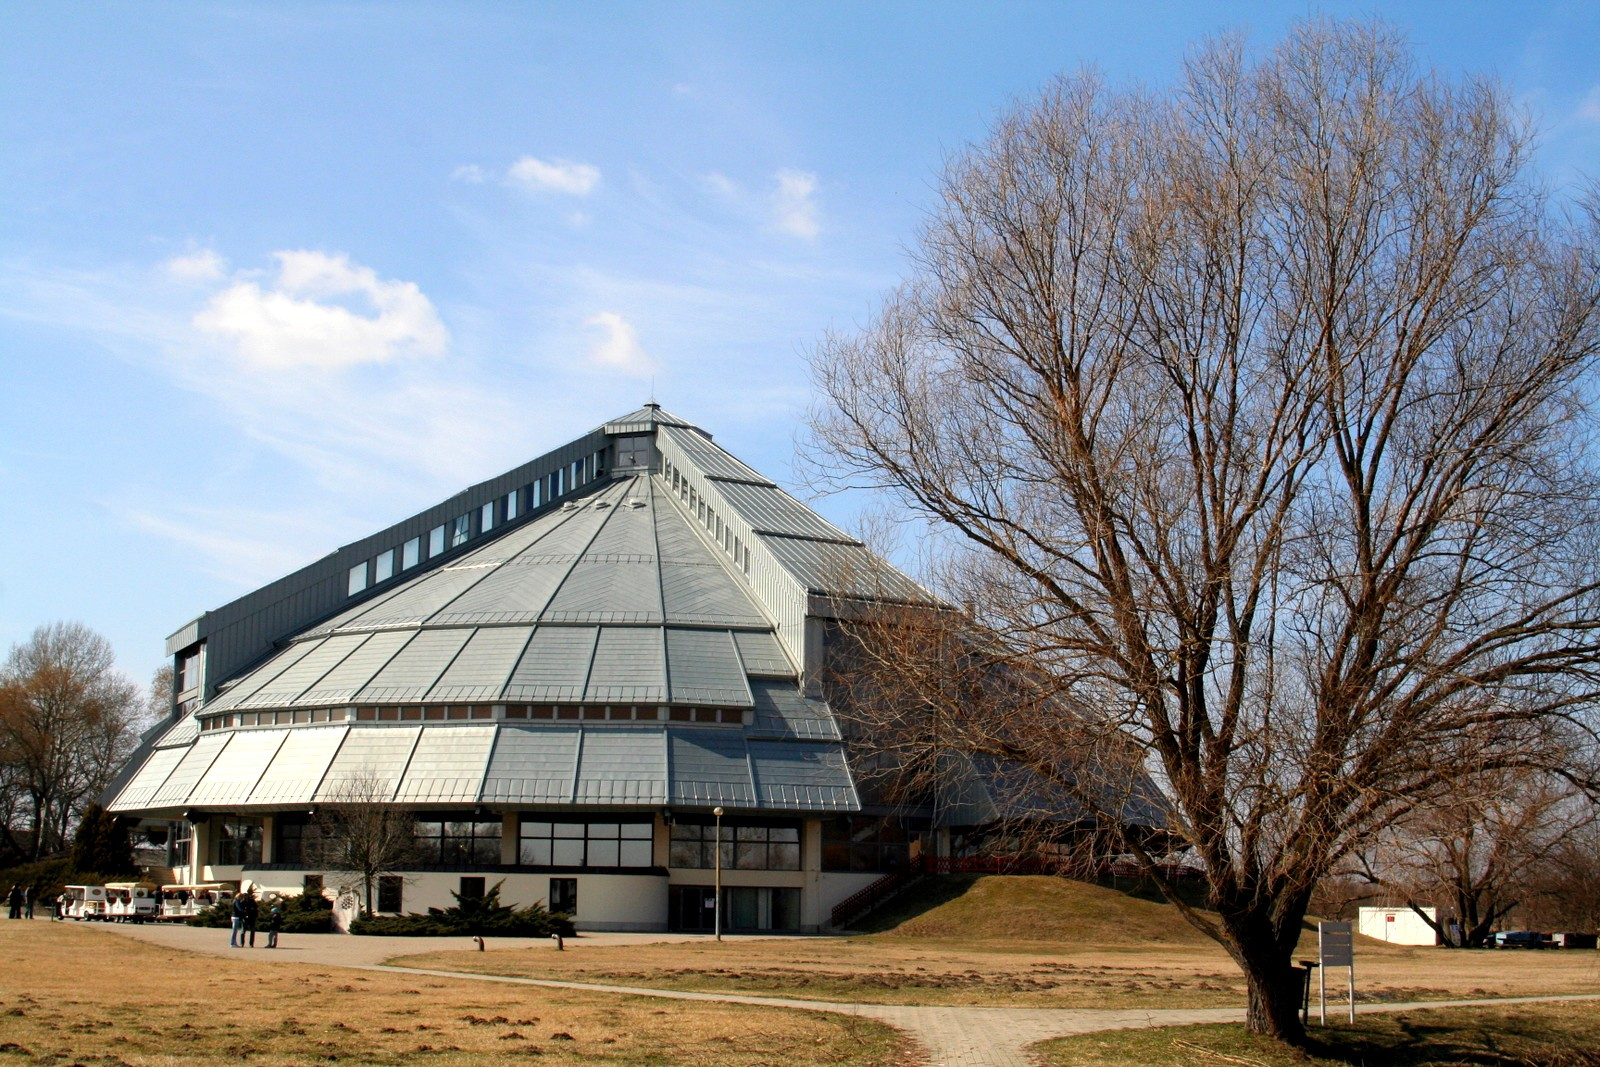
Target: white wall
<point x="1397" y="926"/>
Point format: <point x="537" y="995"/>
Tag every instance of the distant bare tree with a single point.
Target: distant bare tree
<point x="360" y="833"/>
<point x="1255" y="413"/>
<point x="68" y="720"/>
<point x="1479" y="852"/>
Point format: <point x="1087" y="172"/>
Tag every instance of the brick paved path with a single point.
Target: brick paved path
<point x="950" y="1036"/>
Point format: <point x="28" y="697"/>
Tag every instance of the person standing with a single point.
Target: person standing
<point x="236" y="934"/>
<point x="274" y="924"/>
<point x="27" y="901"/>
<point x="14" y="902"/>
<point x="252" y="911"/>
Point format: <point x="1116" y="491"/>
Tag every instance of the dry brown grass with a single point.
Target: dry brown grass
<point x="74" y="995"/>
<point x="1086" y="947"/>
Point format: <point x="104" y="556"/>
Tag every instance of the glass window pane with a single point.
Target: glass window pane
<point x="512" y="500"/>
<point x="567" y="853"/>
<point x="602" y="829"/>
<point x="486" y="850"/>
<point x="536" y="853"/>
<point x="383" y="566"/>
<point x="411" y="553"/>
<point x="637" y="830"/>
<point x="634" y="854"/>
<point x="602" y="853"/>
<point x="486" y="516"/>
<point x="568" y="829"/>
<point x="784" y="857"/>
<point x="462" y="531"/>
<point x="749" y="857"/>
<point x="535" y="829"/>
<point x="748" y="833"/>
<point x="785" y="833"/>
<point x="685" y="854"/>
<point x="436" y="541"/>
<point x="358" y="578"/>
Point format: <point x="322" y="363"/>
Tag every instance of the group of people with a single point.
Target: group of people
<point x="20" y="901"/>
<point x="246" y="914"/>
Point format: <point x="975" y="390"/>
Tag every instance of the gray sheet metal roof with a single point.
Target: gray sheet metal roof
<point x="615" y="597"/>
<point x="445" y="764"/>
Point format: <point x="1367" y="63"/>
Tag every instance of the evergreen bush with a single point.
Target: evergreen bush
<point x="482" y="916"/>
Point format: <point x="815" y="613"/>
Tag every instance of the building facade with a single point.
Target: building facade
<point x="564" y="673"/>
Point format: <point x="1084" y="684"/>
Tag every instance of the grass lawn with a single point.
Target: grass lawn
<point x="1522" y="1035"/>
<point x="1024" y="942"/>
<point x="76" y="995"/>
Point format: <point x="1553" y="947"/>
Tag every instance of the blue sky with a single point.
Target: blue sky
<point x="274" y="275"/>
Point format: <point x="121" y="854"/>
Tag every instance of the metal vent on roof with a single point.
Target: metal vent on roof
<point x="598" y="504"/>
<point x="571" y="505"/>
<point x="635" y="502"/>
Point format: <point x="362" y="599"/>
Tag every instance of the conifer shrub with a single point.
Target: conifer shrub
<point x="483" y="916"/>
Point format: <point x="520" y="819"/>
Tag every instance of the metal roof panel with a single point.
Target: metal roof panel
<point x="415" y="668"/>
<point x="532" y="765"/>
<point x="622" y="766"/>
<point x="703" y="668"/>
<point x="293" y="774"/>
<point x="340" y="685"/>
<point x="175" y="790"/>
<point x="148" y="779"/>
<point x="480" y="671"/>
<point x="629" y="667"/>
<point x="710" y="767"/>
<point x="233" y="775"/>
<point x="368" y="765"/>
<point x="555" y="666"/>
<point x="447" y="765"/>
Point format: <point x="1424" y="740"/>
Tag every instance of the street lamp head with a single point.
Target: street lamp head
<point x="717" y="812"/>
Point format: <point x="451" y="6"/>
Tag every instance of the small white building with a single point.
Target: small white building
<point x="1397" y="926"/>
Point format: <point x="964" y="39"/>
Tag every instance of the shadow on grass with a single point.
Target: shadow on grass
<point x="1538" y="1036"/>
<point x="921" y="898"/>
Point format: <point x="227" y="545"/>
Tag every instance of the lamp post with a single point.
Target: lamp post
<point x="716" y="901"/>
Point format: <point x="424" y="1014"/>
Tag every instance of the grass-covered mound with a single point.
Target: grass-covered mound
<point x="484" y="916"/>
<point x="1031" y="908"/>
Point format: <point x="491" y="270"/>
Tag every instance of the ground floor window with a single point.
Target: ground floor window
<point x="391" y="889"/>
<point x="867" y="843"/>
<point x="564" y="895"/>
<point x="585" y="844"/>
<point x="238" y="842"/>
<point x="471" y="889"/>
<point x="745" y="846"/>
<point x="458" y="843"/>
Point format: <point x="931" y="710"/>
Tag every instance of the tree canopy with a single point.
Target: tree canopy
<point x="1256" y="413"/>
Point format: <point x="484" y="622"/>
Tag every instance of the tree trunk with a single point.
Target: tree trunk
<point x="1276" y="991"/>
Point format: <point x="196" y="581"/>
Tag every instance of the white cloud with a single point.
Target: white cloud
<point x="1589" y="110"/>
<point x="300" y="321"/>
<point x="470" y="172"/>
<point x="555" y="176"/>
<point x="721" y="185"/>
<point x="618" y="348"/>
<point x="794" y="209"/>
<point x="200" y="265"/>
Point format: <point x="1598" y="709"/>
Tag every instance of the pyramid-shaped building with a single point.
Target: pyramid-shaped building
<point x="565" y="672"/>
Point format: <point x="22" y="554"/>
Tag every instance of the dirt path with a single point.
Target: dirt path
<point x="951" y="1036"/>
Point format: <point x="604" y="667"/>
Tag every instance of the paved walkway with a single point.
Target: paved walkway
<point x="950" y="1036"/>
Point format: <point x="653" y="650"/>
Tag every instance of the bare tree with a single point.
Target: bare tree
<point x="1255" y="412"/>
<point x="68" y="720"/>
<point x="362" y="834"/>
<point x="1479" y="852"/>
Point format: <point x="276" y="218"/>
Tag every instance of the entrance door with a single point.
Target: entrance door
<point x="691" y="908"/>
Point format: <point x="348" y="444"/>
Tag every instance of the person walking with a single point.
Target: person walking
<point x="14" y="902"/>
<point x="27" y="902"/>
<point x="274" y="924"/>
